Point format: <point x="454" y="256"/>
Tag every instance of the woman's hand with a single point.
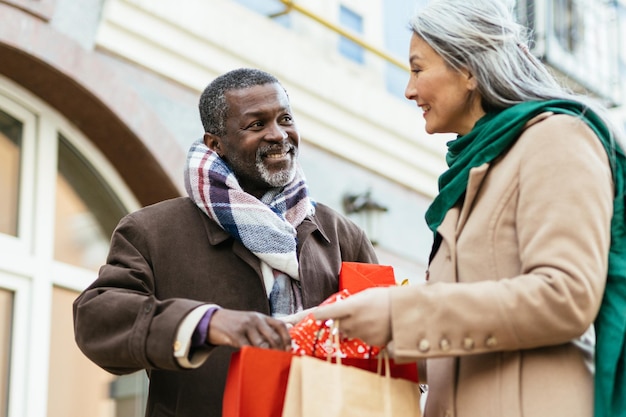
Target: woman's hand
<point x="365" y="315"/>
<point x="293" y="319"/>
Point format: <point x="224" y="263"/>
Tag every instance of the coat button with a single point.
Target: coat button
<point x="424" y="346"/>
<point x="468" y="343"/>
<point x="491" y="342"/>
<point x="444" y="344"/>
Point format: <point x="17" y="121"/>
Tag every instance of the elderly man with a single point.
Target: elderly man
<point x="189" y="280"/>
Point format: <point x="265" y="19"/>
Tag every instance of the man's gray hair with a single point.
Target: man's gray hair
<point x="213" y="107"/>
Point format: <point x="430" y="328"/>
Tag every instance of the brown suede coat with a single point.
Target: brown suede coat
<point x="520" y="273"/>
<point x="169" y="258"/>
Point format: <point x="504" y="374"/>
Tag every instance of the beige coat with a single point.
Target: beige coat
<point x="519" y="274"/>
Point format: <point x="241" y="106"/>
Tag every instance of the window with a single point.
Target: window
<point x="568" y="24"/>
<point x="86" y="212"/>
<point x="60" y="200"/>
<point x="578" y="39"/>
<point x="6" y="318"/>
<point x="273" y="9"/>
<point x="10" y="143"/>
<point x="353" y="22"/>
<point x="84" y="391"/>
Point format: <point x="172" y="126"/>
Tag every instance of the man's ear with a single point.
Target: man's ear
<point x="213" y="142"/>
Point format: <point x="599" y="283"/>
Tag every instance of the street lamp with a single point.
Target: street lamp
<point x="365" y="211"/>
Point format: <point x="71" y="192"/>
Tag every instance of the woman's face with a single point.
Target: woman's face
<point x="447" y="97"/>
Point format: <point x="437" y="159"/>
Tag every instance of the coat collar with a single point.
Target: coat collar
<point x="309" y="226"/>
<point x="476" y="177"/>
<point x="456" y="217"/>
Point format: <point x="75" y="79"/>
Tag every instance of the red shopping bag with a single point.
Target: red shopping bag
<point x="256" y="383"/>
<point x="357" y="276"/>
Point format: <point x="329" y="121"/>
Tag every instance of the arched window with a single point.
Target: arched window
<point x="60" y="200"/>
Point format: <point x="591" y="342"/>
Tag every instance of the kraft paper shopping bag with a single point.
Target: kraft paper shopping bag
<point x="319" y="388"/>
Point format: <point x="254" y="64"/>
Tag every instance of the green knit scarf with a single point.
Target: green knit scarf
<point x="492" y="136"/>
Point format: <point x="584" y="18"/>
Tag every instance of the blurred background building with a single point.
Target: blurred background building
<point x="98" y="106"/>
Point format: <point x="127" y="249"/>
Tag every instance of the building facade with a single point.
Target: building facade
<point x="98" y="106"/>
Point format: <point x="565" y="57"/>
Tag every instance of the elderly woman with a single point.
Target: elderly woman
<point x="527" y="278"/>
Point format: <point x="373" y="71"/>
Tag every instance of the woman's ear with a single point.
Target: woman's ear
<point x="471" y="80"/>
<point x="213" y="142"/>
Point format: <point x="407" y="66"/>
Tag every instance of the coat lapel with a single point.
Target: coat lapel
<point x="455" y="219"/>
<point x="444" y="261"/>
<point x="217" y="235"/>
<point x="475" y="180"/>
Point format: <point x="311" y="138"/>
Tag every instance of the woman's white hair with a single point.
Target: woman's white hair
<point x="483" y="37"/>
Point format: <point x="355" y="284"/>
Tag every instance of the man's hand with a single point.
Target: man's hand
<point x="240" y="328"/>
<point x="365" y="315"/>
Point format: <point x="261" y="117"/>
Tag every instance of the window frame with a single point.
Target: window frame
<point x="22" y="243"/>
<point x="29" y="270"/>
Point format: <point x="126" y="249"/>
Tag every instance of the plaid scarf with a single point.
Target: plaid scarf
<point x="266" y="226"/>
<point x="492" y="136"/>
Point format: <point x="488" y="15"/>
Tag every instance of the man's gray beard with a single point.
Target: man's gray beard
<point x="279" y="179"/>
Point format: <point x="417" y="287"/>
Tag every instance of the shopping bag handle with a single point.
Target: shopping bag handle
<point x="336" y="343"/>
<point x="332" y="330"/>
<point x="383" y="355"/>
